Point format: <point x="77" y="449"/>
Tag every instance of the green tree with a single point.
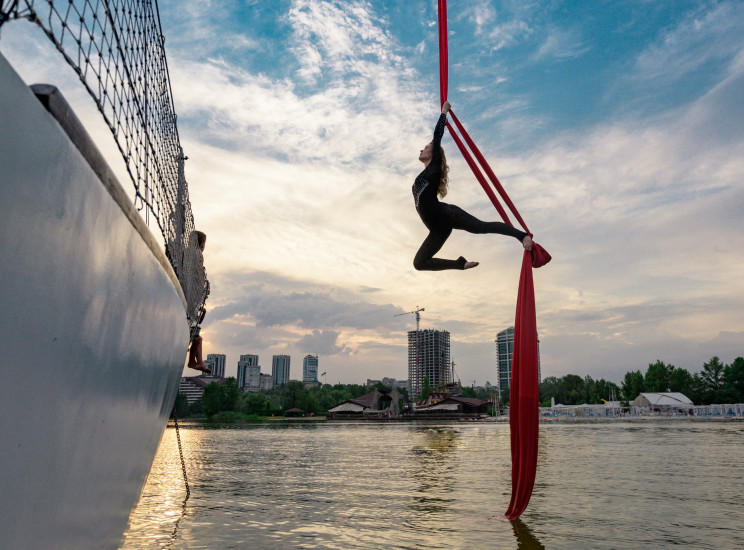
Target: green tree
<point x="733" y="381"/>
<point x="293" y="394"/>
<point x="326" y="400"/>
<point x="256" y="403"/>
<point x="548" y="389"/>
<point x="467" y="391"/>
<point x="230" y="395"/>
<point x="573" y="389"/>
<point x="697" y="390"/>
<point x="680" y="380"/>
<point x="212" y="399"/>
<point x="181" y="406"/>
<point x="657" y="377"/>
<point x="504" y="395"/>
<point x="632" y="385"/>
<point x="712" y="379"/>
<point x="195" y="409"/>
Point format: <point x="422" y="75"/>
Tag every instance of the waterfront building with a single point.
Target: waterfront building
<point x="217" y="364"/>
<point x="388" y="382"/>
<point x="244" y="364"/>
<point x="252" y="378"/>
<point x="381" y="403"/>
<point x="310" y="368"/>
<point x="266" y="382"/>
<point x="504" y="353"/>
<point x="454" y="406"/>
<point x="428" y="357"/>
<point x="193" y="386"/>
<point x="280" y="369"/>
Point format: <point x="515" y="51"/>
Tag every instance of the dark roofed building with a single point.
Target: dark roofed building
<point x="381" y="403"/>
<point x="193" y="386"/>
<point x="456" y="405"/>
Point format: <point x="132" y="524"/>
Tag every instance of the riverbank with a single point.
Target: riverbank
<point x="202" y="422"/>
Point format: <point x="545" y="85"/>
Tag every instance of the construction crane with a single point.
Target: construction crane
<point x="417" y="363"/>
<point x="417" y="313"/>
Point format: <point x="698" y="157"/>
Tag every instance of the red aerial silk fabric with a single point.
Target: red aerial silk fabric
<point x="523" y="396"/>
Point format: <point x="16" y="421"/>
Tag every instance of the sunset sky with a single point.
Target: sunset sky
<point x="617" y="128"/>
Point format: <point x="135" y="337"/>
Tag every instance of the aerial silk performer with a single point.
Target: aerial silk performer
<point x="523" y="395"/>
<point x="441" y="218"/>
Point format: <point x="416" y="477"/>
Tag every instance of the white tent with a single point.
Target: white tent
<point x="665" y="399"/>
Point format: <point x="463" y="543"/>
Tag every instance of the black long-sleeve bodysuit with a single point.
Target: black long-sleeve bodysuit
<point x="441" y="218"/>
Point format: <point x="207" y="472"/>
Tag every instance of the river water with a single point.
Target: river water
<point x="403" y="485"/>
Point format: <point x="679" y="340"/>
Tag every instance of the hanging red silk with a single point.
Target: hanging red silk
<point x="523" y="394"/>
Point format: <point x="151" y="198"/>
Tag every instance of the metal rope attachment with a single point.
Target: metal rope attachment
<point x="180" y="453"/>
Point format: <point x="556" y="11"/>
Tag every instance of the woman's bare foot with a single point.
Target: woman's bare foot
<point x="527" y="243"/>
<point x="470" y="265"/>
<point x="200" y="366"/>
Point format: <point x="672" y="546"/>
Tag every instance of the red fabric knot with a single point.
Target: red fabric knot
<point x="539" y="255"/>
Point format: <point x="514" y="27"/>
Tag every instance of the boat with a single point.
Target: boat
<point x="96" y="310"/>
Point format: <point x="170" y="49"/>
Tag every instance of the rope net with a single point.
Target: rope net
<point x="117" y="49"/>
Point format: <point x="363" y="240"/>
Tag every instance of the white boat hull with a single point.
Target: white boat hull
<point x="93" y="332"/>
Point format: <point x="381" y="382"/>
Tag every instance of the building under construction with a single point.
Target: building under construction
<point x="428" y="357"/>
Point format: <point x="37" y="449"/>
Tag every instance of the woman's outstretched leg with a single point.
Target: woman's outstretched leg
<point x="425" y="260"/>
<point x="459" y="219"/>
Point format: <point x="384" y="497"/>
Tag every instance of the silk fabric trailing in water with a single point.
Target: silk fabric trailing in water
<point x="523" y="396"/>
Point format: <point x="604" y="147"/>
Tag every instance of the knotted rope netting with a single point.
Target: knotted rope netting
<point x="117" y="49"/>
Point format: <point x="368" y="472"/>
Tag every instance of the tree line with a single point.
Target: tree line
<point x="227" y="398"/>
<point x="715" y="383"/>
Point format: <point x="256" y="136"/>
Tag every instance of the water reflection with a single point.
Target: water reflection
<point x="400" y="486"/>
<point x="433" y="480"/>
<point x="174" y="533"/>
<point x="525" y="539"/>
<point x="163" y="503"/>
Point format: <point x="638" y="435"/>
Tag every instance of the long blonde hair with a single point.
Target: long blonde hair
<point x="442" y="189"/>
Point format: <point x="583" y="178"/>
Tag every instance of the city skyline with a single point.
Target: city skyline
<point x="614" y="127"/>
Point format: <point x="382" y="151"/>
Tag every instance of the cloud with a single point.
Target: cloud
<point x="323" y="342"/>
<point x="706" y="35"/>
<point x="561" y="44"/>
<point x="349" y="73"/>
<point x="272" y="300"/>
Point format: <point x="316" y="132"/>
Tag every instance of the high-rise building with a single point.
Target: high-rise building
<point x="253" y="378"/>
<point x="266" y="382"/>
<point x="247" y="362"/>
<point x="428" y="357"/>
<point x="280" y="369"/>
<point x="218" y="364"/>
<point x="505" y="352"/>
<point x="310" y="368"/>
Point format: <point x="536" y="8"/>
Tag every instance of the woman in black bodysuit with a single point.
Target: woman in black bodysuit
<point x="441" y="218"/>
